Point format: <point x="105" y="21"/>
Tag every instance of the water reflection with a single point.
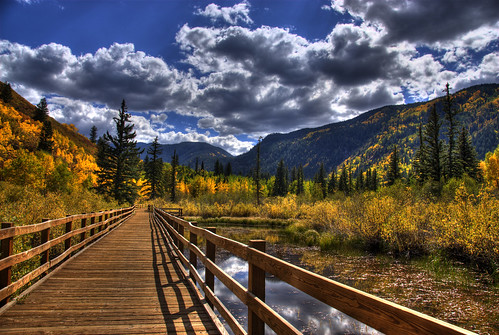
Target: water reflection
<point x="307" y="314"/>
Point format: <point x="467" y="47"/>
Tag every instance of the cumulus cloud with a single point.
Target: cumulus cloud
<point x="234" y="15"/>
<point x="107" y="77"/>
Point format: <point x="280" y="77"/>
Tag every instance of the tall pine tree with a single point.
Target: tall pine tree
<point x="46" y="143"/>
<point x="281" y="180"/>
<point x="393" y="167"/>
<point x="451" y="160"/>
<point x="118" y="159"/>
<point x="6" y="94"/>
<point x="42" y="111"/>
<point x="154" y="169"/>
<point x="433" y="146"/>
<point x="93" y="134"/>
<point x="467" y="158"/>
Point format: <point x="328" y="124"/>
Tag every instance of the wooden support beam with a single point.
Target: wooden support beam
<point x="256" y="285"/>
<point x="6" y="274"/>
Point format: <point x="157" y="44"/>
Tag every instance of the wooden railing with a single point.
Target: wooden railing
<point x="89" y="227"/>
<point x="378" y="313"/>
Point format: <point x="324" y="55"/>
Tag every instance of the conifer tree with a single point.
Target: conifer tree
<point x="6" y="94"/>
<point x="451" y="162"/>
<point x="331" y="187"/>
<point x="257" y="173"/>
<point x="228" y="169"/>
<point x="281" y="180"/>
<point x="419" y="164"/>
<point x="320" y="180"/>
<point x="42" y="111"/>
<point x="359" y="185"/>
<point x="93" y="134"/>
<point x="433" y="146"/>
<point x="343" y="181"/>
<point x="467" y="158"/>
<point x="393" y="167"/>
<point x="118" y="159"/>
<point x="300" y="188"/>
<point x="154" y="169"/>
<point x="173" y="185"/>
<point x="46" y="143"/>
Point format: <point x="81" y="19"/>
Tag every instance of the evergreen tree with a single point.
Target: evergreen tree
<point x="451" y="164"/>
<point x="202" y="165"/>
<point x="467" y="158"/>
<point x="228" y="169"/>
<point x="320" y="180"/>
<point x="154" y="169"/>
<point x="6" y="94"/>
<point x="331" y="187"/>
<point x="219" y="168"/>
<point x="433" y="147"/>
<point x="343" y="181"/>
<point x="393" y="167"/>
<point x="197" y="165"/>
<point x="93" y="134"/>
<point x="118" y="159"/>
<point x="419" y="164"/>
<point x="257" y="173"/>
<point x="359" y="185"/>
<point x="46" y="143"/>
<point x="281" y="180"/>
<point x="173" y="185"/>
<point x="42" y="111"/>
<point x="300" y="188"/>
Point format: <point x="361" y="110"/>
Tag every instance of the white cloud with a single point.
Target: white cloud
<point x="234" y="15"/>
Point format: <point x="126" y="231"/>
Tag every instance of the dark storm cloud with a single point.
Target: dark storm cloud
<point x="426" y="21"/>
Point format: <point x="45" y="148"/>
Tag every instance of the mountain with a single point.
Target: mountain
<point x="367" y="140"/>
<point x="188" y="152"/>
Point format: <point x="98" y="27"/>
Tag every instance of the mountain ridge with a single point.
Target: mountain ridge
<point x="366" y="140"/>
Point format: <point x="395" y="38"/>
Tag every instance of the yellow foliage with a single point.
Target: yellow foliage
<point x="491" y="168"/>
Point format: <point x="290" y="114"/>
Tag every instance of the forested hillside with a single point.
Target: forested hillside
<point x="367" y="140"/>
<point x="189" y="153"/>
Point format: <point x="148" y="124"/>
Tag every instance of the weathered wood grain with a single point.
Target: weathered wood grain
<point x="126" y="283"/>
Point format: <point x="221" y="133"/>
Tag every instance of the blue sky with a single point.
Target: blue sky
<point x="228" y="72"/>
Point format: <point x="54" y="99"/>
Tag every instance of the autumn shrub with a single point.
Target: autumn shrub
<point x="280" y="207"/>
<point x="469" y="228"/>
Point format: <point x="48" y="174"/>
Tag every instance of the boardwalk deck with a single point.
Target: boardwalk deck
<point x="126" y="283"/>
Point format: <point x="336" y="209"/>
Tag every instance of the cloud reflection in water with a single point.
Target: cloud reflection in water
<point x="307" y="314"/>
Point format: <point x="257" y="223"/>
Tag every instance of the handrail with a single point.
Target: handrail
<point x="100" y="224"/>
<point x="383" y="315"/>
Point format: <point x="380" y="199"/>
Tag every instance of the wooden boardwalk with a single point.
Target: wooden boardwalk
<point x="126" y="283"/>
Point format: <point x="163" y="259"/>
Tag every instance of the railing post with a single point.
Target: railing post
<point x="82" y="235"/>
<point x="101" y="216"/>
<point x="211" y="249"/>
<point x="44" y="238"/>
<point x="6" y="274"/>
<point x="67" y="241"/>
<point x="256" y="285"/>
<point x="92" y="222"/>
<point x="193" y="258"/>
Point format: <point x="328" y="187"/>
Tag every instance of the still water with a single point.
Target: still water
<point x="448" y="292"/>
